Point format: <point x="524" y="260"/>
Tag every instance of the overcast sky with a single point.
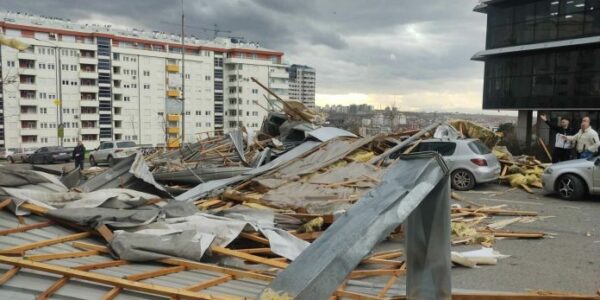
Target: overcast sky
<point x="411" y="53"/>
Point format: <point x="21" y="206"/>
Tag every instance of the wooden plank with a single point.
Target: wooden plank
<point x="391" y="255"/>
<point x="390" y="263"/>
<point x="387" y="254"/>
<point x="516" y="234"/>
<point x="255" y="237"/>
<point x="517" y="296"/>
<point x="249" y="257"/>
<point x="187" y="263"/>
<point x="102" y="265"/>
<point x="155" y="273"/>
<point x="526" y="188"/>
<point x="209" y="283"/>
<point x="501" y="212"/>
<point x="44" y="243"/>
<point x="209" y="203"/>
<point x="376" y="272"/>
<point x="5" y="203"/>
<point x="112" y="294"/>
<point x="504" y="170"/>
<point x="26" y="228"/>
<point x="105" y="232"/>
<point x="103" y="279"/>
<point x="355" y="295"/>
<point x="388" y="285"/>
<point x="38" y="210"/>
<point x="541" y="142"/>
<point x="9" y="274"/>
<point x="21" y="220"/>
<point x="256" y="250"/>
<point x="53" y="288"/>
<point x="52" y="256"/>
<point x="412" y="147"/>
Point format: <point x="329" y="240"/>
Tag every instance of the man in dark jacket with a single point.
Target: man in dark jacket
<point x="79" y="155"/>
<point x="562" y="147"/>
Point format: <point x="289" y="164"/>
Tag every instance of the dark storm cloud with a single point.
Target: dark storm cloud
<point x="378" y="46"/>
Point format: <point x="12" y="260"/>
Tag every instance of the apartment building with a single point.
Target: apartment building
<point x="96" y="83"/>
<point x="302" y="84"/>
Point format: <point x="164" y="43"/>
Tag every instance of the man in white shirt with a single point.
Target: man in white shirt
<point x="586" y="139"/>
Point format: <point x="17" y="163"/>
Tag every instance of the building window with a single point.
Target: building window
<point x="146" y="73"/>
<point x="146" y="86"/>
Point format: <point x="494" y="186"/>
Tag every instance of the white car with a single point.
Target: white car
<point x="108" y="152"/>
<point x="5" y="153"/>
<point x="20" y="155"/>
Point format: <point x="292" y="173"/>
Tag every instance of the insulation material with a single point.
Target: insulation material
<point x="472" y="130"/>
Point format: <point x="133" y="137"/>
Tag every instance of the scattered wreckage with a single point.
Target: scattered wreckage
<point x="294" y="211"/>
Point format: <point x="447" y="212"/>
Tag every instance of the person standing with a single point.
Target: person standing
<point x="79" y="155"/>
<point x="586" y="139"/>
<point x="562" y="147"/>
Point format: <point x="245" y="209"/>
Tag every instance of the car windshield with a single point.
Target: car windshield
<point x="479" y="147"/>
<point x="125" y="144"/>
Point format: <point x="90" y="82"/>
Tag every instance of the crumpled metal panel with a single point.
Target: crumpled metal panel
<point x="331" y="152"/>
<point x="237" y="138"/>
<point x="325" y="134"/>
<point x="415" y="186"/>
<point x="131" y="172"/>
<point x="204" y="189"/>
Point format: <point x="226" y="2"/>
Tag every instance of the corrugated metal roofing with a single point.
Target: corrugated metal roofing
<point x="29" y="283"/>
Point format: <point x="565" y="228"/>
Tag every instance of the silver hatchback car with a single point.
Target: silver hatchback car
<point x="470" y="161"/>
<point x="573" y="179"/>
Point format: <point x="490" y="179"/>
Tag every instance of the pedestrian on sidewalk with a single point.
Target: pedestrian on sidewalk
<point x="586" y="139"/>
<point x="79" y="155"/>
<point x="562" y="147"/>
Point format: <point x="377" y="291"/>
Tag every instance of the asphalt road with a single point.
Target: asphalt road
<point x="568" y="260"/>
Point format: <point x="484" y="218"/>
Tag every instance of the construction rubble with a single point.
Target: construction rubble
<point x="293" y="211"/>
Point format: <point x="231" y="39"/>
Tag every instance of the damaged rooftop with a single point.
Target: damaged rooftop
<point x="295" y="210"/>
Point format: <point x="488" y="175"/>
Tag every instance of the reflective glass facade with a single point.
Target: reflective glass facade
<point x="549" y="79"/>
<point x="522" y="22"/>
<point x="565" y="78"/>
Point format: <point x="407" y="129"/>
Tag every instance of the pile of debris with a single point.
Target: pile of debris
<point x="521" y="171"/>
<point x="296" y="210"/>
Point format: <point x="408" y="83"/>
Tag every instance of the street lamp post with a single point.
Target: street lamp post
<point x="59" y="100"/>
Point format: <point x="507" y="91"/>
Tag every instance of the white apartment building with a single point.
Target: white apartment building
<point x="302" y="84"/>
<point x="104" y="84"/>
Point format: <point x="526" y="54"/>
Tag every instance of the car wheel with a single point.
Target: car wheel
<point x="110" y="160"/>
<point x="462" y="180"/>
<point x="11" y="159"/>
<point x="92" y="161"/>
<point x="570" y="187"/>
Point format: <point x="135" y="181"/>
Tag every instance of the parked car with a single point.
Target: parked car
<point x="20" y="155"/>
<point x="5" y="153"/>
<point x="470" y="161"/>
<point x="573" y="179"/>
<point x="108" y="152"/>
<point x="49" y="155"/>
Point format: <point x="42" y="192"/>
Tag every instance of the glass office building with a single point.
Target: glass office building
<point x="542" y="55"/>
